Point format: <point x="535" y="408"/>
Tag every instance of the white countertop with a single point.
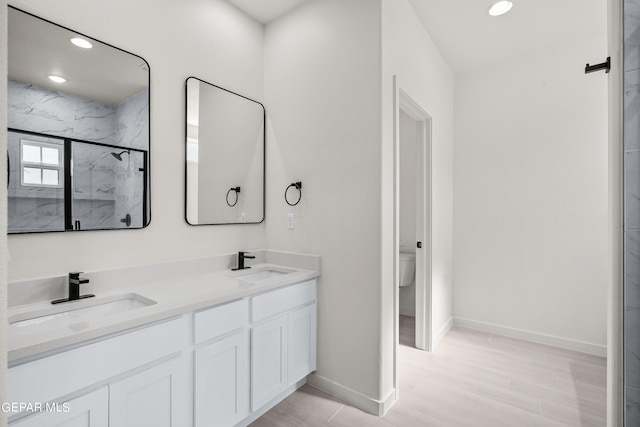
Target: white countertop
<point x="173" y="297"/>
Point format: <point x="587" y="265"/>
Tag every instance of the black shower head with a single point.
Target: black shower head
<point x="118" y="156"/>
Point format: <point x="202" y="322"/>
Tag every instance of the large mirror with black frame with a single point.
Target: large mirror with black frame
<point x="78" y="138"/>
<point x="225" y="153"/>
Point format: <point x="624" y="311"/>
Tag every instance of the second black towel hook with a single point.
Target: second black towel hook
<point x="236" y="190"/>
<point x="297" y="186"/>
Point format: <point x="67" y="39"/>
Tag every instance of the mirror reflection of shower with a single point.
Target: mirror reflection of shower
<point x="110" y="191"/>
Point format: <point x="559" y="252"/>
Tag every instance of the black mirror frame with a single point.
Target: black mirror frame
<point x="264" y="155"/>
<point x="147" y="176"/>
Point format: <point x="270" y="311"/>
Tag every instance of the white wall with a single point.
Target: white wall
<point x="409" y="53"/>
<point x="408" y="175"/>
<point x="3" y="212"/>
<point x="322" y="92"/>
<point x="530" y="216"/>
<point x="208" y="39"/>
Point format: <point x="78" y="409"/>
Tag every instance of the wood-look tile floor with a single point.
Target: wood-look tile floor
<point x="472" y="379"/>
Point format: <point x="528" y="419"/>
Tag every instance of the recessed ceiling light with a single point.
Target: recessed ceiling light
<point x="81" y="43"/>
<point x="56" y="79"/>
<point x="500" y="7"/>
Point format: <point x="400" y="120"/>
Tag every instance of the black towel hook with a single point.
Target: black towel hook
<point x="297" y="186"/>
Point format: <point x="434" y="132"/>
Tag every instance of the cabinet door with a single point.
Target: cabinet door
<point x="155" y="397"/>
<point x="222" y="382"/>
<point x="268" y="361"/>
<point x="89" y="410"/>
<point x="302" y="343"/>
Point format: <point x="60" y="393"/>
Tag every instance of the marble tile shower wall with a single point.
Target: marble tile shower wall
<point x="132" y="130"/>
<point x="632" y="211"/>
<point x="132" y="122"/>
<point x="37" y="109"/>
<point x="104" y="196"/>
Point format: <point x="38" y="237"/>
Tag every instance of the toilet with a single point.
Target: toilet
<point x="407" y="269"/>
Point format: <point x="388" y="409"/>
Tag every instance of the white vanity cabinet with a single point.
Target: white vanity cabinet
<point x="89" y="410"/>
<point x="301" y="356"/>
<point x="221" y="365"/>
<point x="155" y="397"/>
<point x="283" y="340"/>
<point x="268" y="361"/>
<point x="141" y="375"/>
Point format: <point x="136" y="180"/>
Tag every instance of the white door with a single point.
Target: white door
<point x="155" y="397"/>
<point x="302" y="343"/>
<point x="268" y="361"/>
<point x="89" y="410"/>
<point x="222" y="382"/>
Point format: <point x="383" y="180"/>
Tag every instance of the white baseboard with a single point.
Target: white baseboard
<point x="408" y="311"/>
<point x="352" y="397"/>
<point x="441" y="333"/>
<point x="566" y="343"/>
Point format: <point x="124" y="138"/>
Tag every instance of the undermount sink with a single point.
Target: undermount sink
<point x="76" y="313"/>
<point x="264" y="273"/>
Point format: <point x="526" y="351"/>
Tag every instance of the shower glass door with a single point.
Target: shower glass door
<point x="107" y="187"/>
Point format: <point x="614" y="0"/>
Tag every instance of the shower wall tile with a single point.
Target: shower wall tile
<point x="632" y="269"/>
<point x="35" y="101"/>
<point x="631" y="35"/>
<point x="132" y="122"/>
<point x="38" y="124"/>
<point x="29" y="213"/>
<point x="94" y="213"/>
<point x="98" y="177"/>
<point x="632" y="347"/>
<point x="632" y="190"/>
<point x="632" y="110"/>
<point x="42" y="110"/>
<point x="94" y="184"/>
<point x="632" y="407"/>
<point x="94" y="121"/>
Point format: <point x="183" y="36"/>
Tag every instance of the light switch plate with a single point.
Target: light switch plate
<point x="291" y="221"/>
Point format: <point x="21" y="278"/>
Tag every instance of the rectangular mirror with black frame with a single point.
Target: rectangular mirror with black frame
<point x="78" y="138"/>
<point x="225" y="154"/>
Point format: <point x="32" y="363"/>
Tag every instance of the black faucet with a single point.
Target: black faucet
<point x="241" y="257"/>
<point x="74" y="289"/>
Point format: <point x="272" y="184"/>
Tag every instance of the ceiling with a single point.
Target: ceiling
<point x="37" y="48"/>
<point x="468" y="38"/>
<point x="265" y="11"/>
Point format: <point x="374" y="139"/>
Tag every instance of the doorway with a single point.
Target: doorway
<point x="412" y="228"/>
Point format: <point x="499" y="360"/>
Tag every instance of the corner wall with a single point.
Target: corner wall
<point x="208" y="39"/>
<point x="322" y="92"/>
<point x="530" y="212"/>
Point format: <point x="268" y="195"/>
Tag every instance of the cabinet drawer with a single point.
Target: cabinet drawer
<point x="274" y="302"/>
<point x="221" y="319"/>
<point x="51" y="377"/>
